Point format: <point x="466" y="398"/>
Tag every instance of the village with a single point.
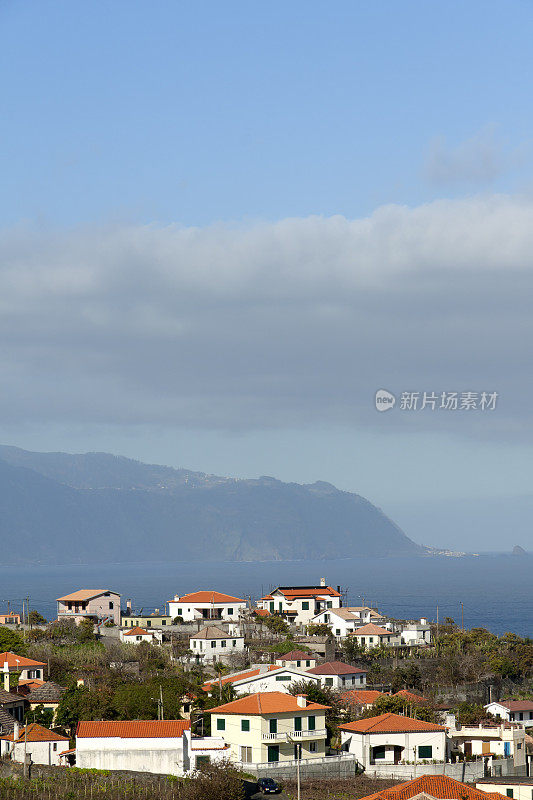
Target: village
<point x="293" y="687"/>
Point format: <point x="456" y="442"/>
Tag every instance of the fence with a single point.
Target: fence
<point x="465" y="771"/>
<point x="343" y="766"/>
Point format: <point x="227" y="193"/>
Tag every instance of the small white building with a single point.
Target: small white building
<point x="344" y="621"/>
<point x="518" y="787"/>
<point x="507" y="739"/>
<point x="208" y="605"/>
<point x="137" y="635"/>
<point x="416" y="633"/>
<point x="154" y="746"/>
<point x="392" y="738"/>
<point x="519" y="711"/>
<point x="198" y="751"/>
<point x="214" y="644"/>
<point x="300" y="604"/>
<point x="370" y="636"/>
<point x="338" y="675"/>
<point x="298" y="659"/>
<point x="264" y="678"/>
<point x="42" y="745"/>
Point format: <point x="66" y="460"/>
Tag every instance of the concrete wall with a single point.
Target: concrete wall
<point x="162" y="756"/>
<point x="467" y="771"/>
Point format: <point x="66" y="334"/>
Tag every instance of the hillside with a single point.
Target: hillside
<point x="57" y="508"/>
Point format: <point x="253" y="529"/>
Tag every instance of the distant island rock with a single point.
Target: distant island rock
<point x="519" y="551"/>
<point x="95" y="508"/>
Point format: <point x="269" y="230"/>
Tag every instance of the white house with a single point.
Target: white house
<point x="271" y="726"/>
<point x="206" y="605"/>
<point x="518" y="787"/>
<point x="346" y="620"/>
<point x="298" y="659"/>
<point x="391" y="738"/>
<point x="506" y="739"/>
<point x="98" y="605"/>
<point x="25" y="668"/>
<point x="42" y="745"/>
<point x="520" y="711"/>
<point x="369" y="636"/>
<point x="198" y="751"/>
<point x="300" y="604"/>
<point x="265" y="678"/>
<point x="416" y="633"/>
<point x="214" y="644"/>
<point x="154" y="746"/>
<point x="137" y="635"/>
<point x="339" y="675"/>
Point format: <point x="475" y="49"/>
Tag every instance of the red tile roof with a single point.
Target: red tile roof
<point x="136" y="631"/>
<point x="265" y="703"/>
<point x="134" y="729"/>
<point x="390" y="723"/>
<point x="335" y="668"/>
<point x="208" y="597"/>
<point x="361" y="697"/>
<point x="404" y="694"/>
<point x="372" y="630"/>
<point x="311" y="592"/>
<point x="240" y="676"/>
<point x="516" y="705"/>
<point x="262" y="612"/>
<point x="295" y="655"/>
<point x="36" y="733"/>
<point x="438" y="786"/>
<point x="18" y="662"/>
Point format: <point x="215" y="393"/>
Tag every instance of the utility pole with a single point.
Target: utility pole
<point x="161" y="701"/>
<point x="462" y="616"/>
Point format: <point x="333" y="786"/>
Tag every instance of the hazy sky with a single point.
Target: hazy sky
<point x="225" y="225"/>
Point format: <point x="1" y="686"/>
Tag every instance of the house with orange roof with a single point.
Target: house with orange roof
<point x="412" y="698"/>
<point x="339" y="675"/>
<point x="347" y="619"/>
<point x="26" y="668"/>
<point x="299" y="604"/>
<point x="97" y="605"/>
<point x="206" y="605"/>
<point x="263" y="678"/>
<point x="137" y="635"/>
<point x="391" y="738"/>
<point x="370" y="636"/>
<point x="359" y="700"/>
<point x="433" y="787"/>
<point x="42" y="745"/>
<point x="10" y="619"/>
<point x="270" y="727"/>
<point x="299" y="659"/>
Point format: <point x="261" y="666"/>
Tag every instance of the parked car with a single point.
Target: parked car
<point x="268" y="786"/>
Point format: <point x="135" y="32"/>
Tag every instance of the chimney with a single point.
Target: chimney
<point x="128" y="605"/>
<point x="322" y="581"/>
<point x="301" y="699"/>
<point x="6" y="677"/>
<point x="80" y="682"/>
<point x="16" y="731"/>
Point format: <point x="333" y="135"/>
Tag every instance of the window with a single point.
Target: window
<point x="298" y="663"/>
<point x="273" y="726"/>
<point x="246" y="755"/>
<point x="329" y="604"/>
<point x="273" y="752"/>
<point x="234" y="643"/>
<point x="371" y="639"/>
<point x="148" y="623"/>
<point x="509" y="793"/>
<point x="230" y="611"/>
<point x="245" y="724"/>
<point x="54" y="746"/>
<point x="283" y="677"/>
<point x="311" y="723"/>
<point x="312" y="747"/>
<point x="223" y="643"/>
<point x="139" y="638"/>
<point x="186" y="708"/>
<point x="329" y="681"/>
<point x="297" y="723"/>
<point x="378" y="752"/>
<point x="221" y="724"/>
<point x="213" y="644"/>
<point x="110" y="605"/>
<point x="425" y="751"/>
<point x="307" y="663"/>
<point x="305" y="605"/>
<point x="163" y="622"/>
<point x="337" y="631"/>
<point x="272" y="607"/>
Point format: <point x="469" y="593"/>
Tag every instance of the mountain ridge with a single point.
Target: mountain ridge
<point x="98" y="507"/>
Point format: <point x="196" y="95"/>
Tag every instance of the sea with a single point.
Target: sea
<point x="490" y="590"/>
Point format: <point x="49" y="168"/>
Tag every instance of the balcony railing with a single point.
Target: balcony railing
<point x="286" y="736"/>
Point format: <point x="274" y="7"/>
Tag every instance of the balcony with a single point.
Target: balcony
<point x="284" y="736"/>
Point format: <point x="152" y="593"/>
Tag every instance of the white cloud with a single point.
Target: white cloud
<point x="477" y="161"/>
<point x="270" y="324"/>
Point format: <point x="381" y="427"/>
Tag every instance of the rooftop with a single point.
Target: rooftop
<point x="84" y="594"/>
<point x="266" y="703"/>
<point x="335" y="668"/>
<point x="371" y="630"/>
<point x="212" y="632"/>
<point x="18" y="662"/>
<point x="134" y="729"/>
<point x="391" y="723"/>
<point x="292" y="592"/>
<point x="438" y="786"/>
<point x="208" y="597"/>
<point x="295" y="655"/>
<point x="36" y="733"/>
<point x="404" y="694"/>
<point x="49" y="692"/>
<point x="361" y="697"/>
<point x="137" y="631"/>
<point x="516" y="705"/>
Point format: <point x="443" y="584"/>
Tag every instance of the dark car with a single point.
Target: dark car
<point x="268" y="786"/>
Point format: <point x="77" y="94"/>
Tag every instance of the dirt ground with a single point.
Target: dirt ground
<point x="337" y="788"/>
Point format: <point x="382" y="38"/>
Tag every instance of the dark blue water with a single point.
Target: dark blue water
<point x="496" y="590"/>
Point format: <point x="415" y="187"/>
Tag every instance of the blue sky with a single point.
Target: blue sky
<point x="220" y="221"/>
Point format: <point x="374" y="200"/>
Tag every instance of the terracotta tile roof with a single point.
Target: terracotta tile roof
<point x="361" y="697"/>
<point x="84" y="594"/>
<point x="240" y="676"/>
<point x="335" y="668"/>
<point x="212" y="632"/>
<point x="438" y="786"/>
<point x="516" y="705"/>
<point x="390" y="723"/>
<point x="372" y="630"/>
<point x="307" y="591"/>
<point x="295" y="655"/>
<point x="30" y="685"/>
<point x="262" y="612"/>
<point x="17" y="662"/>
<point x="208" y="597"/>
<point x="411" y="697"/>
<point x="265" y="703"/>
<point x="136" y="631"/>
<point x="36" y="733"/>
<point x="134" y="729"/>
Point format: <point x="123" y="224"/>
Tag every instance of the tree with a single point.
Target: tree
<point x="218" y="781"/>
<point x="34" y="618"/>
<point x="41" y="715"/>
<point x="275" y="624"/>
<point x="319" y="630"/>
<point x="85" y="631"/>
<point x="352" y="650"/>
<point x="12" y="642"/>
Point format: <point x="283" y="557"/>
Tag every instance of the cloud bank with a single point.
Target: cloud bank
<point x="295" y="322"/>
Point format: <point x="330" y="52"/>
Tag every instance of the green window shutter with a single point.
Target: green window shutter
<point x="221" y="724"/>
<point x="311" y="723"/>
<point x="297" y="723"/>
<point x="329" y="681"/>
<point x="245" y="724"/>
<point x="425" y="751"/>
<point x="230" y="611"/>
<point x="272" y="607"/>
<point x="273" y="726"/>
<point x="305" y="605"/>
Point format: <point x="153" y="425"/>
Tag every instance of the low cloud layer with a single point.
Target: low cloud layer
<point x="296" y="322"/>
